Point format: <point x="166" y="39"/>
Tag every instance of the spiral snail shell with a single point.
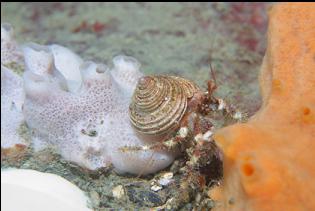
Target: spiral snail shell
<point x="159" y="103"/>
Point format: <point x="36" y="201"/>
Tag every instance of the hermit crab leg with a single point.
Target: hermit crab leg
<point x="168" y="144"/>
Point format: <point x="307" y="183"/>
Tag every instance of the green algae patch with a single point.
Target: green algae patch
<point x="17" y="68"/>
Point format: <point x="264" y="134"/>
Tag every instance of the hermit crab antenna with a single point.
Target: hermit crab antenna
<point x="213" y="75"/>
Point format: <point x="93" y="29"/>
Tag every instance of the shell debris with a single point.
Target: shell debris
<point x="207" y="135"/>
<point x="183" y="132"/>
<point x="166" y="179"/>
<point x="156" y="188"/>
<point x="118" y="191"/>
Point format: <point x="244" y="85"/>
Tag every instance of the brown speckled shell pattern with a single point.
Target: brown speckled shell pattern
<point x="159" y="103"/>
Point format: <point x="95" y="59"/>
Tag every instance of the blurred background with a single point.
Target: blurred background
<point x="172" y="38"/>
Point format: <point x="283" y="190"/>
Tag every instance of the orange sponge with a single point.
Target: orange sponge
<point x="269" y="162"/>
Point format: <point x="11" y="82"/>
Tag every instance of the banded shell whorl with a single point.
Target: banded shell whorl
<point x="159" y="103"/>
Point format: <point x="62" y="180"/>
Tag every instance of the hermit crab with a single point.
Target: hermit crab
<point x="175" y="114"/>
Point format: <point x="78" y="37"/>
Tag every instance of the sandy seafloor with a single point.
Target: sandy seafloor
<point x="171" y="38"/>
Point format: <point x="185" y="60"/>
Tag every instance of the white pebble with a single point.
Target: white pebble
<point x="166" y="179"/>
<point x="118" y="191"/>
<point x="168" y="175"/>
<point x="156" y="188"/>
